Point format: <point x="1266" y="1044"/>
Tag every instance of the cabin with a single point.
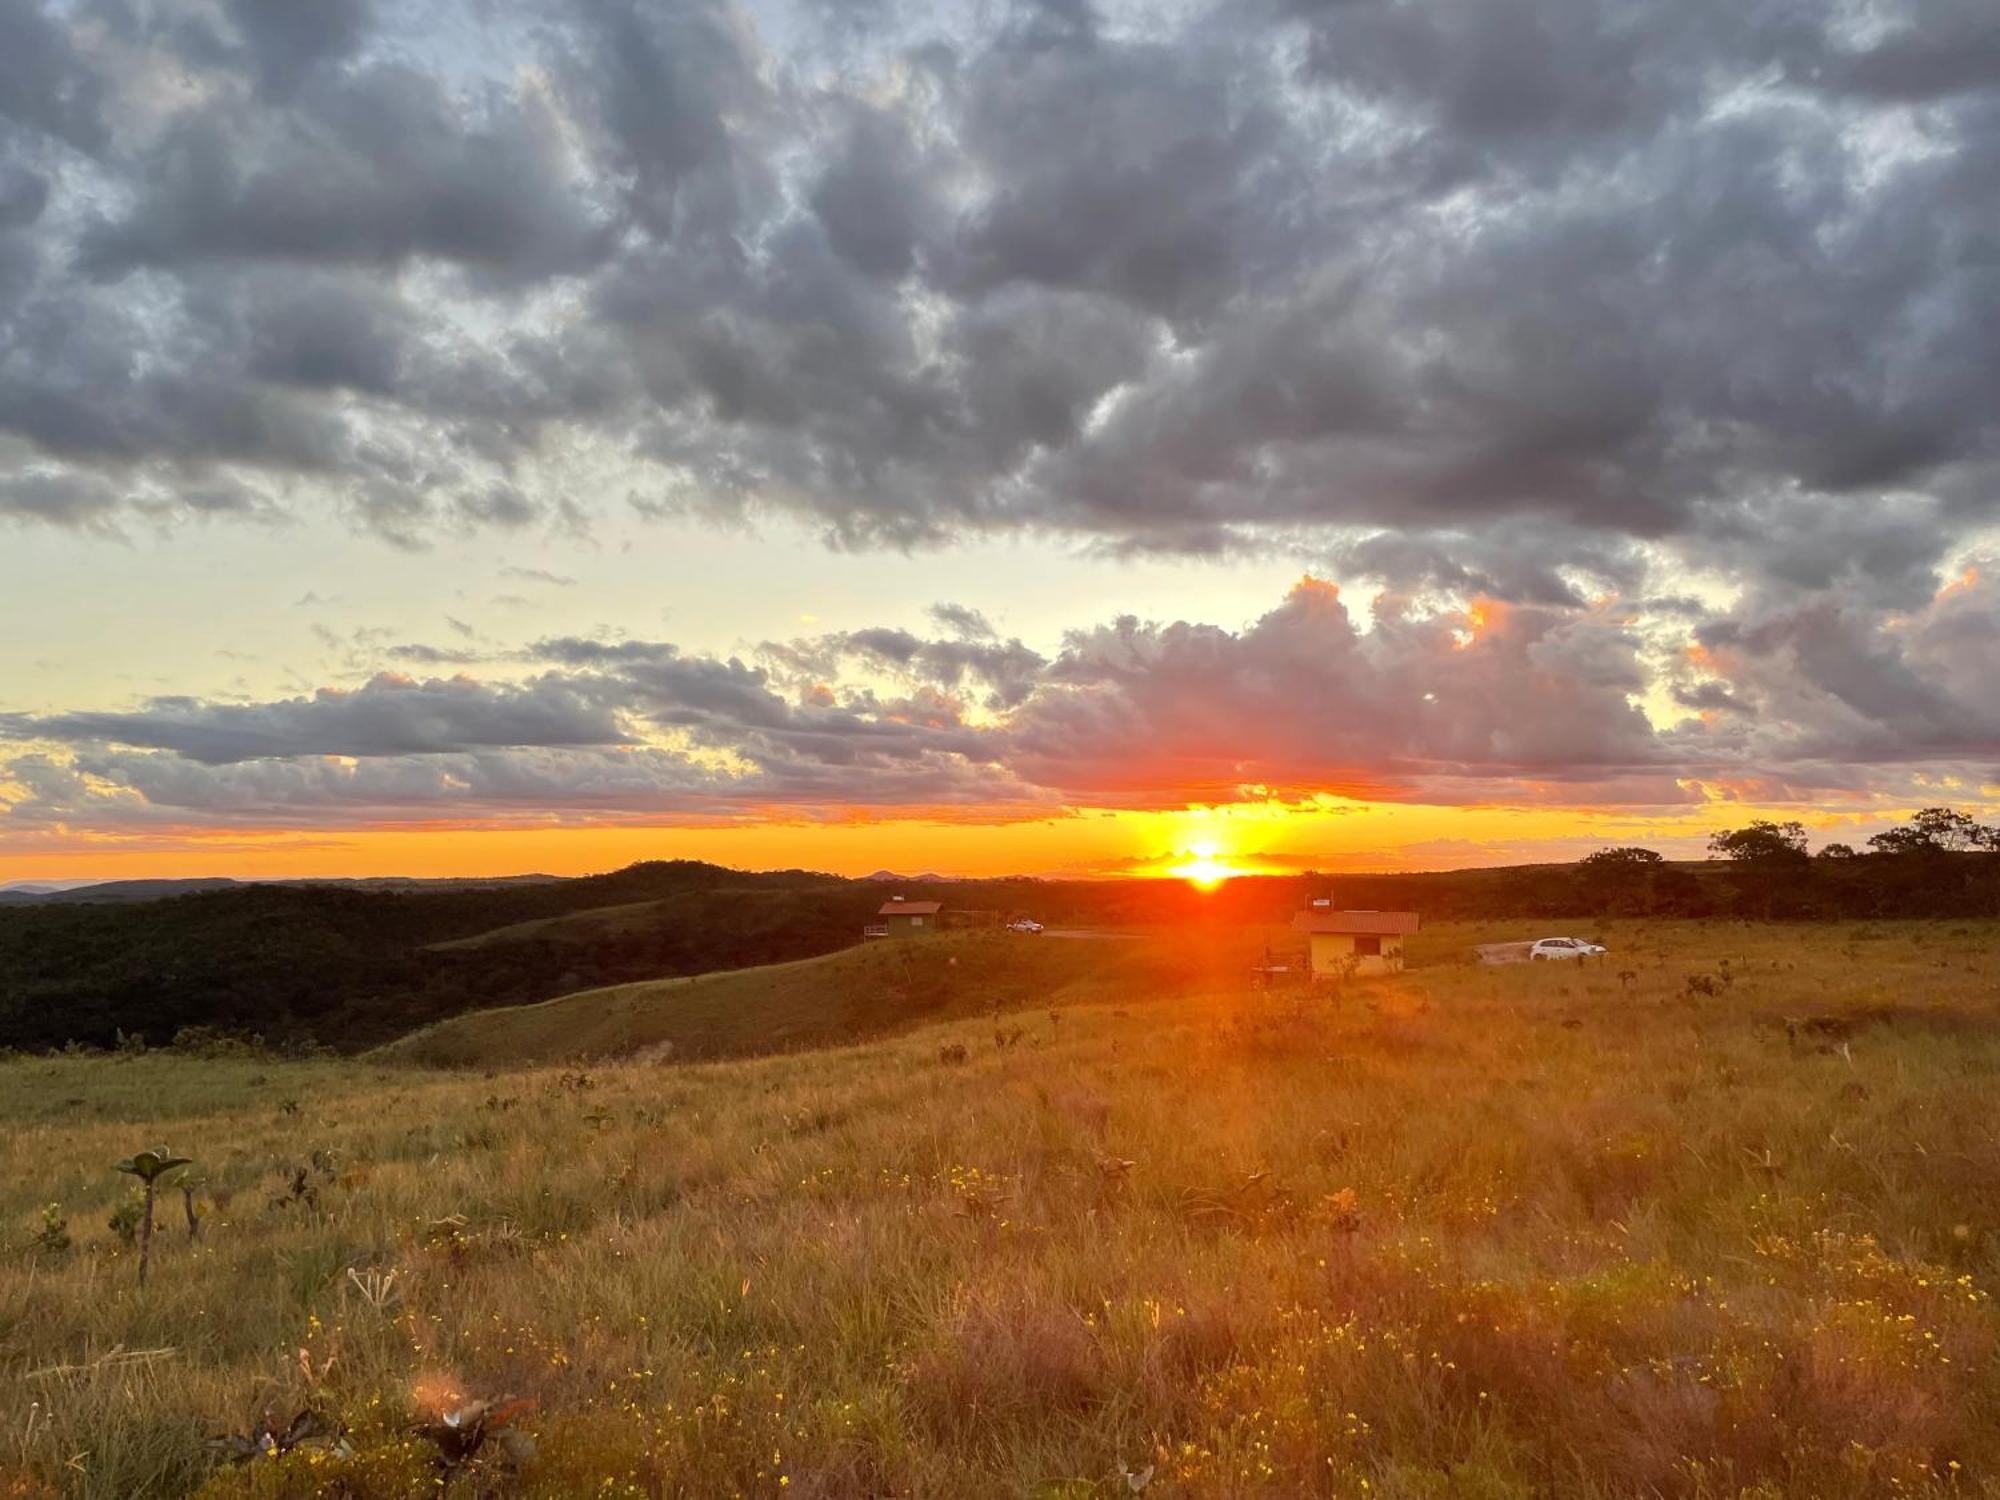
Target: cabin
<point x="899" y="918"/>
<point x="1345" y="944"/>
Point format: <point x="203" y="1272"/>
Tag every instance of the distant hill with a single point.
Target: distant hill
<point x="351" y="965"/>
<point x="113" y="890"/>
<point x="159" y="890"/>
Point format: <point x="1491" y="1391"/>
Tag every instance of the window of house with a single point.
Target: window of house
<point x="1368" y="947"/>
<point x="916" y="921"/>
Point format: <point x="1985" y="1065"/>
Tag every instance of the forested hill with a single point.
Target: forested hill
<point x="349" y="966"/>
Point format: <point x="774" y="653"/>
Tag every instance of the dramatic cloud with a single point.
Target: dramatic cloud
<point x="1633" y="361"/>
<point x="1492" y="703"/>
<point x="1167" y="278"/>
<point x="1448" y="709"/>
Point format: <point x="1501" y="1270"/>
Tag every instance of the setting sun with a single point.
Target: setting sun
<point x="1204" y="867"/>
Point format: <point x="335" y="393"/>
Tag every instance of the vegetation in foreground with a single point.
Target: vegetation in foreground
<point x="1718" y="1216"/>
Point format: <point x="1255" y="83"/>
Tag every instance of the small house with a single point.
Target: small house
<point x="1348" y="943"/>
<point x="900" y="918"/>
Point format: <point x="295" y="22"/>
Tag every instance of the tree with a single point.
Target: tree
<point x="1762" y="843"/>
<point x="1837" y="851"/>
<point x="1937" y="830"/>
<point x="1620" y="880"/>
<point x="1621" y="859"/>
<point x="149" y="1167"/>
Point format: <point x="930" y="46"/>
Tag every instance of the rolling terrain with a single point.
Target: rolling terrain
<point x="352" y="966"/>
<point x="842" y="997"/>
<point x="1719" y="1216"/>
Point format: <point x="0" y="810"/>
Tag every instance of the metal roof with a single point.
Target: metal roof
<point x="908" y="908"/>
<point x="1386" y="923"/>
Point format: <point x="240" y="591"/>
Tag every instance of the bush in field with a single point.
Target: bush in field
<point x="52" y="1238"/>
<point x="124" y="1220"/>
<point x="214" y="1042"/>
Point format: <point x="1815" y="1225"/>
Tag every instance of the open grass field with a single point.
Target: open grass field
<point x="1718" y="1217"/>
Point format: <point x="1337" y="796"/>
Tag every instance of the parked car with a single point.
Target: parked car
<point x="1024" y="924"/>
<point x="1563" y="947"/>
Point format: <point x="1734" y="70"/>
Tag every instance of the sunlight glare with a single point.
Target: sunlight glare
<point x="1204" y="868"/>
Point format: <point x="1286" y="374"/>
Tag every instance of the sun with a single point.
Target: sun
<point x="1204" y="868"/>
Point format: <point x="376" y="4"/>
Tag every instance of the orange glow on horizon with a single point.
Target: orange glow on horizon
<point x="1206" y="844"/>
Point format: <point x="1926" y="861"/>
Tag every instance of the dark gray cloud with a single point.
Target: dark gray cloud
<point x="373" y="165"/>
<point x="286" y="42"/>
<point x="1812" y="680"/>
<point x="389" y="715"/>
<point x="61" y="499"/>
<point x="46" y="85"/>
<point x="323" y="332"/>
<point x="962" y="621"/>
<point x="1160" y="175"/>
<point x="1522" y="563"/>
<point x="973" y="660"/>
<point x="1612" y="269"/>
<point x="23" y="195"/>
<point x="876" y="197"/>
<point x="1926" y="50"/>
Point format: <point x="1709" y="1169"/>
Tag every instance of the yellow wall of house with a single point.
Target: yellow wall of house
<point x="1333" y="955"/>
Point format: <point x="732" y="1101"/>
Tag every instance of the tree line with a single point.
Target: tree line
<point x="1941" y="863"/>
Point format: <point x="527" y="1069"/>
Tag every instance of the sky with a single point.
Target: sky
<point x="476" y="436"/>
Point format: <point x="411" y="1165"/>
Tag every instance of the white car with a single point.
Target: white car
<point x="1025" y="924"/>
<point x="1550" y="948"/>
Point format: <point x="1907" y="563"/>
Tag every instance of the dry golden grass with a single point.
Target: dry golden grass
<point x="1470" y="1232"/>
<point x="839" y="997"/>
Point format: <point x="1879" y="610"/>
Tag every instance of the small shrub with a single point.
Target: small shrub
<point x="303" y="1182"/>
<point x="213" y="1042"/>
<point x="53" y="1237"/>
<point x="126" y="1218"/>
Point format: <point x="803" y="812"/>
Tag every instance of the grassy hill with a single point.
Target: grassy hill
<point x="841" y="997"/>
<point x="1717" y="1218"/>
<point x="592" y="925"/>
